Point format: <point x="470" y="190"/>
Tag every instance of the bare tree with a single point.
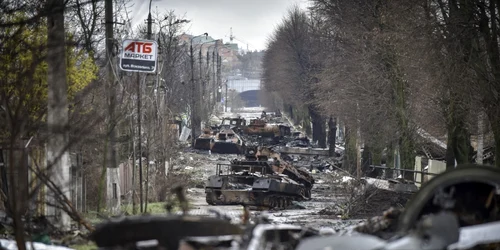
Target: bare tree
<point x="291" y="63"/>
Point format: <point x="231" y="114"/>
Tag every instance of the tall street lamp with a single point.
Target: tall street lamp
<point x="220" y="92"/>
<point x="216" y="61"/>
<point x="194" y="120"/>
<point x="214" y="79"/>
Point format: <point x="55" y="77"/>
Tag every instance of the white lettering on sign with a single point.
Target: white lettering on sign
<point x="139" y="56"/>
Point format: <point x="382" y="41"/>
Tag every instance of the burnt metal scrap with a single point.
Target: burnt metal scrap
<point x="166" y="231"/>
<point x="256" y="237"/>
<point x="458" y="209"/>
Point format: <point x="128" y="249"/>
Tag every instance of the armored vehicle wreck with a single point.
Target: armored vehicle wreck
<point x="205" y="140"/>
<point x="220" y="134"/>
<point x="261" y="127"/>
<point x="258" y="182"/>
<point x="227" y="141"/>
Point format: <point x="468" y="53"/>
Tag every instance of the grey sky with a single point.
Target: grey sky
<point x="252" y="20"/>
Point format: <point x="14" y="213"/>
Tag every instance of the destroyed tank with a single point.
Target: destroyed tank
<point x="227" y="141"/>
<point x="210" y="135"/>
<point x="257" y="182"/>
<point x="205" y="140"/>
<point x="261" y="127"/>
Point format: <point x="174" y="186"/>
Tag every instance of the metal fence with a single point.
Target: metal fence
<point x="423" y="174"/>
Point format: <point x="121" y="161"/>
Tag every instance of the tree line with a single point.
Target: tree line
<point x="389" y="70"/>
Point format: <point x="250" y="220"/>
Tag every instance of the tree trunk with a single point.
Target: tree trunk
<point x="101" y="190"/>
<point x="358" y="153"/>
<point x="366" y="161"/>
<point x="494" y="117"/>
<point x="318" y="127"/>
<point x="450" y="154"/>
<point x="458" y="147"/>
<point x="57" y="112"/>
<point x="407" y="147"/>
<point x="407" y="155"/>
<point x="389" y="163"/>
<point x="480" y="139"/>
<point x="345" y="157"/>
<point x="377" y="155"/>
<point x="112" y="174"/>
<point x="332" y="132"/>
<point x="350" y="154"/>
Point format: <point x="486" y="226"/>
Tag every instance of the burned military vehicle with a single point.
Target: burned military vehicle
<point x="257" y="182"/>
<point x="261" y="127"/>
<point x="222" y="136"/>
<point x="227" y="141"/>
<point x="205" y="140"/>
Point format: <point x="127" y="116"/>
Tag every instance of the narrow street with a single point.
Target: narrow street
<point x="328" y="191"/>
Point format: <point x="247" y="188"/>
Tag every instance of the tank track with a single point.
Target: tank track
<point x="271" y="201"/>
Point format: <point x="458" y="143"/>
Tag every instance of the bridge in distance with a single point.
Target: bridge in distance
<point x="248" y="89"/>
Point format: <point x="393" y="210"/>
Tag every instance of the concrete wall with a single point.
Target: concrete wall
<point x="435" y="167"/>
<point x="418" y="167"/>
<point x="113" y="190"/>
<point x="126" y="172"/>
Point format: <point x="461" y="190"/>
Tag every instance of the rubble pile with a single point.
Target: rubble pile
<point x="373" y="201"/>
<point x="336" y="210"/>
<point x="384" y="226"/>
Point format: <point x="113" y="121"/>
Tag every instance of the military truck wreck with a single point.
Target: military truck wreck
<point x="258" y="182"/>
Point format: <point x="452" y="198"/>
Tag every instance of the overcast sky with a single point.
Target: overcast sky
<point x="252" y="20"/>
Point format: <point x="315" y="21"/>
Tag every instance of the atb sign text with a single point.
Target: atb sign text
<point x="139" y="56"/>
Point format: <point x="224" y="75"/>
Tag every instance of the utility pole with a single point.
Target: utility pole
<point x="207" y="83"/>
<point x="132" y="132"/>
<point x="200" y="63"/>
<point x="214" y="77"/>
<point x="150" y="21"/>
<point x="112" y="190"/>
<point x="194" y="111"/>
<point x="193" y="91"/>
<point x="139" y="125"/>
<point x="201" y="85"/>
<point x="57" y="116"/>
<point x="226" y="101"/>
<point x="218" y="76"/>
<point x="139" y="132"/>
